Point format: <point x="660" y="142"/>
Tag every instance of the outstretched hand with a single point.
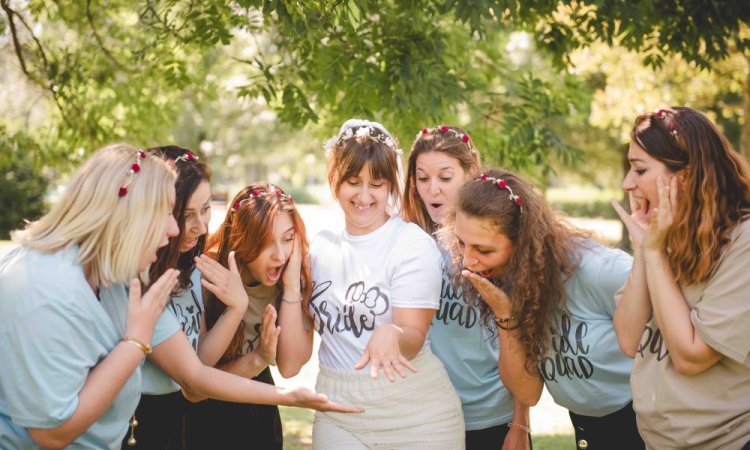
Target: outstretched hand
<point x="492" y="295"/>
<point x="383" y="350"/>
<point x="305" y="398"/>
<point x="225" y="284"/>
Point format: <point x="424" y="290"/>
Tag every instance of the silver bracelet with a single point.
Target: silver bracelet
<point x="291" y="302"/>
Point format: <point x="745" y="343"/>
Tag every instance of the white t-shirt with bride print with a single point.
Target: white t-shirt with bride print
<point x="358" y="280"/>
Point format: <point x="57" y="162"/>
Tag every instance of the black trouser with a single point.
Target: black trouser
<point x="616" y="431"/>
<point x="214" y="424"/>
<point x="160" y="421"/>
<point x="488" y="438"/>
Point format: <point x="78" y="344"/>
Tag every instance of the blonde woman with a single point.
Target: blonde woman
<point x="68" y="367"/>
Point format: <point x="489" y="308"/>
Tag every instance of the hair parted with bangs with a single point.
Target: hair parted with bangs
<point x="715" y="188"/>
<point x="190" y="174"/>
<point x="247" y="230"/>
<point x="546" y="251"/>
<point x="347" y="157"/>
<point x="435" y="140"/>
<point x="113" y="233"/>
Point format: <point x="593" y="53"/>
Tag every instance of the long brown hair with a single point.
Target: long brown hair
<point x="715" y="193"/>
<point x="191" y="172"/>
<point x="440" y="140"/>
<point x="545" y="253"/>
<point x="247" y="229"/>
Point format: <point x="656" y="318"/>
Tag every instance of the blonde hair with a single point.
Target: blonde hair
<point x="112" y="233"/>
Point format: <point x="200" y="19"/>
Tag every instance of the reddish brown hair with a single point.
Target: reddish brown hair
<point x="715" y="193"/>
<point x="246" y="231"/>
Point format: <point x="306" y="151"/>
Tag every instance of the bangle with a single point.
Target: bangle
<point x="502" y="323"/>
<point x="519" y="425"/>
<point x="291" y="302"/>
<point x="145" y="348"/>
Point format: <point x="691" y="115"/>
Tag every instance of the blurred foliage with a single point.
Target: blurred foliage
<point x="145" y="72"/>
<point x="22" y="188"/>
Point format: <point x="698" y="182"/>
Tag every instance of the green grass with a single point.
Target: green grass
<point x="298" y="432"/>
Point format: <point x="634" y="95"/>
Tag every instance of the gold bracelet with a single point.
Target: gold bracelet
<point x="145" y="348"/>
<point x="519" y="425"/>
<point x="291" y="302"/>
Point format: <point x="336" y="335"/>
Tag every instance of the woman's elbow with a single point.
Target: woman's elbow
<point x="288" y="370"/>
<point x="50" y="438"/>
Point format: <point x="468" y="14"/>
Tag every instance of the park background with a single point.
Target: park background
<point x="545" y="87"/>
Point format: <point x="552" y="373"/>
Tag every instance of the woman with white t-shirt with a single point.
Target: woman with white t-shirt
<point x="376" y="285"/>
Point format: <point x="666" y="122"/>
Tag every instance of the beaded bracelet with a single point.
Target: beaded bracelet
<point x="291" y="302"/>
<point x="145" y="348"/>
<point x="502" y="322"/>
<point x="519" y="425"/>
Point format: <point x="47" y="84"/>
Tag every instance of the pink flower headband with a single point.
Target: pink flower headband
<point x="188" y="156"/>
<point x="134" y="169"/>
<point x="502" y="184"/>
<point x="256" y="193"/>
<point x="670" y="126"/>
<point x="446" y="130"/>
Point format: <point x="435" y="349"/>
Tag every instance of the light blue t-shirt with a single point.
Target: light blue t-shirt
<point x="53" y="332"/>
<point x="585" y="371"/>
<point x="187" y="308"/>
<point x="469" y="353"/>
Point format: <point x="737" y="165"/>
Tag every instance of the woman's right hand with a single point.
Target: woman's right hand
<point x="292" y="270"/>
<point x="269" y="336"/>
<point x="305" y="398"/>
<point x="144" y="310"/>
<point x="493" y="296"/>
<point x="225" y="284"/>
<point x="636" y="222"/>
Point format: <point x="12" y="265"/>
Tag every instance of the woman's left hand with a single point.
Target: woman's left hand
<point x="383" y="350"/>
<point x="226" y="284"/>
<point x="662" y="215"/>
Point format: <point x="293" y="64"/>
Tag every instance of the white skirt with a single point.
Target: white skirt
<point x="421" y="411"/>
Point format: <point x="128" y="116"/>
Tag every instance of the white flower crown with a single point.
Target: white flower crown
<point x="365" y="129"/>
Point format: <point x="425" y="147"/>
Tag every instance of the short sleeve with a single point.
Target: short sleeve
<point x="166" y="326"/>
<point x="417" y="276"/>
<point x="614" y="269"/>
<point x="722" y="314"/>
<point x="48" y="354"/>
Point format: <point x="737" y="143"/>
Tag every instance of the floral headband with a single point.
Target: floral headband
<point x="373" y="131"/>
<point x="257" y="193"/>
<point x="670" y="126"/>
<point x="446" y="130"/>
<point x="134" y="169"/>
<point x="188" y="156"/>
<point x="502" y="184"/>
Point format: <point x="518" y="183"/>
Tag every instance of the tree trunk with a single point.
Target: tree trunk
<point x="745" y="135"/>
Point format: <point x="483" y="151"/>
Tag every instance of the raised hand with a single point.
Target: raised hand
<point x="636" y="222"/>
<point x="144" y="310"/>
<point x="225" y="284"/>
<point x="269" y="336"/>
<point x="662" y="216"/>
<point x="305" y="398"/>
<point x="495" y="297"/>
<point x="292" y="270"/>
<point x="383" y="350"/>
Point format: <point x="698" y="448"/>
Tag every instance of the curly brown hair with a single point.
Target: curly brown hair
<point x="715" y="192"/>
<point x="546" y="251"/>
<point x="434" y="140"/>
